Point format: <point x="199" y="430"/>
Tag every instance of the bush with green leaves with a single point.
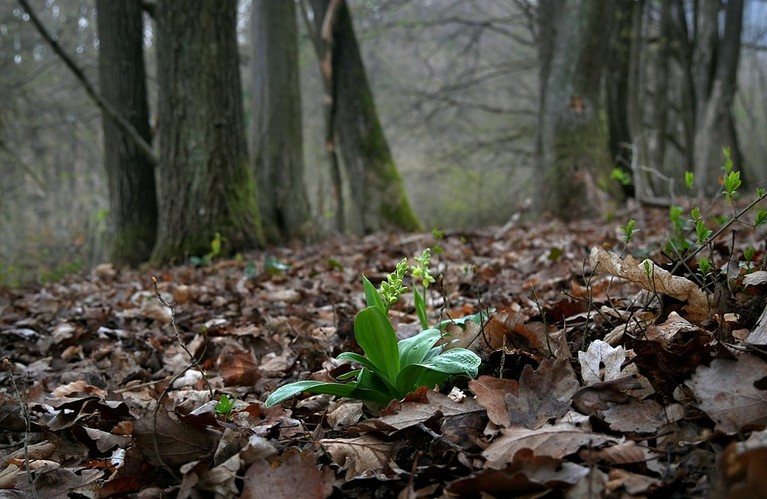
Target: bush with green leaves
<point x="390" y="369"/>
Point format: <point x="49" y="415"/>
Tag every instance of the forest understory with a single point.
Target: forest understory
<point x="595" y="381"/>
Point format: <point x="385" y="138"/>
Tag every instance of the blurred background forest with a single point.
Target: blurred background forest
<point x="458" y="86"/>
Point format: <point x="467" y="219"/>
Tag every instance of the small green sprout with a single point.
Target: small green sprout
<point x="689" y="179"/>
<point x="731" y="183"/>
<point x="704" y="265"/>
<point x="621" y="176"/>
<point x="761" y="217"/>
<point x="628" y="230"/>
<point x="225" y="405"/>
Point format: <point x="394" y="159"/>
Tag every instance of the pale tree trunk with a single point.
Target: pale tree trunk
<point x="206" y="184"/>
<point x="378" y="196"/>
<point x="130" y="174"/>
<point x="277" y="144"/>
<point x="572" y="152"/>
<point x="716" y="67"/>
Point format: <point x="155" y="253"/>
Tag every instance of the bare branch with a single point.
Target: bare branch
<point x="107" y="108"/>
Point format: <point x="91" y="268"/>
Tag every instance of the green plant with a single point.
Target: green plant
<point x="390" y="369"/>
<point x="225" y="405"/>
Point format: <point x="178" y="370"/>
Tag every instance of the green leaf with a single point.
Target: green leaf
<point x="376" y="337"/>
<point x="413" y="350"/>
<point x="415" y="376"/>
<point x="286" y="391"/>
<point x="371" y="368"/>
<point x="420" y="308"/>
<point x="224" y="405"/>
<point x="372" y="297"/>
<point x="350" y="390"/>
<point x="456" y="361"/>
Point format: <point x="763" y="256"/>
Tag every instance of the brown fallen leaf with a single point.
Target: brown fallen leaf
<point x="732" y="392"/>
<point x="361" y="456"/>
<point x="294" y="475"/>
<point x="525" y="473"/>
<point x="543" y="394"/>
<point x="176" y="441"/>
<point x="491" y="394"/>
<point x="651" y="277"/>
<point x="557" y="441"/>
<point x="641" y="416"/>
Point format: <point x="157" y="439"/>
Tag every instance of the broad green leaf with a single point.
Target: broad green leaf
<point x="416" y="375"/>
<point x="350" y="390"/>
<point x="372" y="296"/>
<point x="286" y="391"/>
<point x="478" y="318"/>
<point x="371" y="368"/>
<point x="376" y="337"/>
<point x="456" y="361"/>
<point x="414" y="349"/>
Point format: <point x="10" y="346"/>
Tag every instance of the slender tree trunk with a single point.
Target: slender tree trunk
<point x="206" y="184"/>
<point x="716" y="60"/>
<point x="276" y="110"/>
<point x="572" y="148"/>
<point x="617" y="81"/>
<point x="378" y="195"/>
<point x="132" y="197"/>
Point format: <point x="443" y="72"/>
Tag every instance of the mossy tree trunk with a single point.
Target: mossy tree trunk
<point x="130" y="174"/>
<point x="206" y="185"/>
<point x="378" y="196"/>
<point x="277" y="144"/>
<point x="572" y="146"/>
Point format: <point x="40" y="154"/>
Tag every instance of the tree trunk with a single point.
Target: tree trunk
<point x="130" y="174"/>
<point x="716" y="60"/>
<point x="572" y="149"/>
<point x="277" y="143"/>
<point x="206" y="185"/>
<point x="617" y="83"/>
<point x="378" y="196"/>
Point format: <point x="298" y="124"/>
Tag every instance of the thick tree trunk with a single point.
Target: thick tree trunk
<point x="716" y="60"/>
<point x="132" y="197"/>
<point x="206" y="185"/>
<point x="572" y="149"/>
<point x="277" y="143"/>
<point x="378" y="196"/>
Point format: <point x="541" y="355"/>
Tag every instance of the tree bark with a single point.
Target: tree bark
<point x="378" y="195"/>
<point x="572" y="150"/>
<point x="206" y="185"/>
<point x="130" y="175"/>
<point x="277" y="143"/>
<point x="716" y="60"/>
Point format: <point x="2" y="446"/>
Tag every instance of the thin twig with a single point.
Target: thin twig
<point x="24" y="406"/>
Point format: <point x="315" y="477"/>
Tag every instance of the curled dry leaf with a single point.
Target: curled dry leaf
<point x="600" y="354"/>
<point x="650" y="277"/>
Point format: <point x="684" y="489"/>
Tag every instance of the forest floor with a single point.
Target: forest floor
<point x="590" y="386"/>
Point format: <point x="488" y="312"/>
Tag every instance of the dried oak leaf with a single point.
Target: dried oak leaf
<point x="732" y="392"/>
<point x="491" y="394"/>
<point x="601" y="362"/>
<point x="645" y="416"/>
<point x="556" y="441"/>
<point x="294" y="475"/>
<point x="177" y="442"/>
<point x="668" y="366"/>
<point x="361" y="456"/>
<point x="543" y="394"/>
<point x="526" y="472"/>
